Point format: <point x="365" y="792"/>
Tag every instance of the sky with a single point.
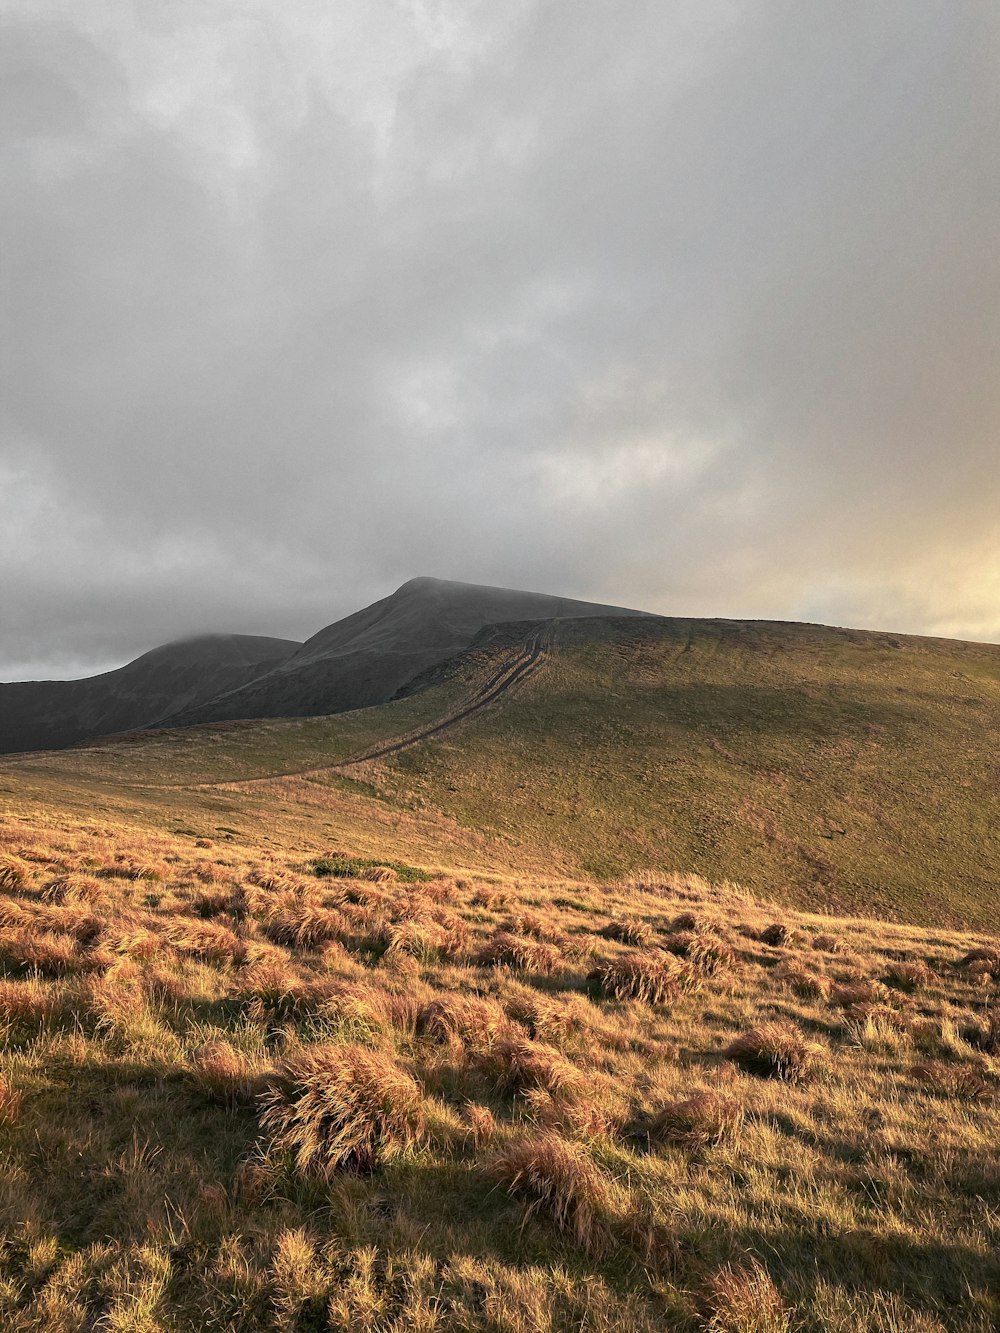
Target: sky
<point x="687" y="305"/>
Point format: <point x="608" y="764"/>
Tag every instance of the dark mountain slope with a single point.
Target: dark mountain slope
<point x="50" y="714"/>
<point x="365" y="658"/>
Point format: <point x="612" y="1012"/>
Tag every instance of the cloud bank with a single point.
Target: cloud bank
<point x="693" y="307"/>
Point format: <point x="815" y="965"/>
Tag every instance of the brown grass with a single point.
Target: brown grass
<point x="560" y="1181"/>
<point x="907" y="976"/>
<point x="520" y="953"/>
<point x="341" y="1108"/>
<point x="649" y="978"/>
<point x="10" y="1102"/>
<point x="778" y="935"/>
<point x="775" y="1050"/>
<point x="704" y="1120"/>
<point x="15" y="874"/>
<point x="518" y="1065"/>
<point x="635" y="932"/>
<point x="744" y="1299"/>
<point x="226" y="1072"/>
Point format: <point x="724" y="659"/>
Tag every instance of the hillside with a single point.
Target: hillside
<point x="46" y="714"/>
<point x="824" y="768"/>
<point x="365" y="658"/>
<point x="361" y="1022"/>
<point x="245" y="1088"/>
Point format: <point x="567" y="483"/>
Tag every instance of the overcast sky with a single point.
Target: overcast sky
<point x="691" y="306"/>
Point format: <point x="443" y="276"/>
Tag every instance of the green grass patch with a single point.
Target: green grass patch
<point x="354" y="867"/>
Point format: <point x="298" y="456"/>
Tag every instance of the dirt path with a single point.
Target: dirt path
<point x="528" y="658"/>
<point x="499" y="683"/>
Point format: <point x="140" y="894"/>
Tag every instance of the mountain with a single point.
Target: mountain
<point x="50" y="714"/>
<point x="365" y="658"/>
<point x="829" y="769"/>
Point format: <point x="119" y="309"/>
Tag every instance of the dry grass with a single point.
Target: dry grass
<point x="649" y="978"/>
<point x="342" y="1108"/>
<point x="704" y="1120"/>
<point x="636" y="932"/>
<point x="775" y="1050"/>
<point x="236" y="1096"/>
<point x="522" y="953"/>
<point x="778" y="935"/>
<point x="15" y="873"/>
<point x="744" y="1299"/>
<point x="558" y="1179"/>
<point x="517" y="1065"/>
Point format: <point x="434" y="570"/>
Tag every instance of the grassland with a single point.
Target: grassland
<point x="828" y="769"/>
<point x="663" y="992"/>
<point x="238" y="1095"/>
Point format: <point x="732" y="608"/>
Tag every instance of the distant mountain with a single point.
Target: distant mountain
<point x="365" y="658"/>
<point x="51" y="714"/>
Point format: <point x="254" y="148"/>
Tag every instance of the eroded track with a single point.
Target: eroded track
<point x="524" y="664"/>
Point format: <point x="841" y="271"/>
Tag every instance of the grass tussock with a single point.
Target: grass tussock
<point x="517" y="1065"/>
<point x="558" y="1180"/>
<point x="744" y="1299"/>
<point x="341" y="1108"/>
<point x="520" y="953"/>
<point x="907" y="976"/>
<point x="648" y="978"/>
<point x="778" y="935"/>
<point x="15" y="873"/>
<point x="636" y="932"/>
<point x="701" y="1121"/>
<point x="776" y="1050"/>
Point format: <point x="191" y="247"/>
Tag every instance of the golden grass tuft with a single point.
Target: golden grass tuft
<point x="467" y="1018"/>
<point x="704" y="1120"/>
<point x="341" y="1108"/>
<point x="907" y="976"/>
<point x="10" y="1102"/>
<point x="15" y="874"/>
<point x="520" y="953"/>
<point x="650" y="978"/>
<point x="744" y="1299"/>
<point x="226" y="1073"/>
<point x="299" y="922"/>
<point x="985" y="1037"/>
<point x="630" y="930"/>
<point x="777" y="935"/>
<point x="826" y="943"/>
<point x="775" y="1050"/>
<point x="860" y="991"/>
<point x="805" y="984"/>
<point x="72" y="887"/>
<point x="704" y="950"/>
<point x="965" y="1081"/>
<point x="559" y="1180"/>
<point x="31" y="1001"/>
<point x="517" y="1065"/>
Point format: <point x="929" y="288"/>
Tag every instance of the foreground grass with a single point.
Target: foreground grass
<point x="235" y="1095"/>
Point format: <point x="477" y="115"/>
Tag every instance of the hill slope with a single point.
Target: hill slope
<point x="823" y="767"/>
<point x="365" y="658"/>
<point x="42" y="714"/>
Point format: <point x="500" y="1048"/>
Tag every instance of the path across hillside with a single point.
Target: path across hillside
<point x="529" y="657"/>
<point x="499" y="683"/>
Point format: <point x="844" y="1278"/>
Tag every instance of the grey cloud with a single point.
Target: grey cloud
<point x="693" y="307"/>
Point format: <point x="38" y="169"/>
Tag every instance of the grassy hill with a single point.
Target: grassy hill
<point x="294" y="1038"/>
<point x="827" y="769"/>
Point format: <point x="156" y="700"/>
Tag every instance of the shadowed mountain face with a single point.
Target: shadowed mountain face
<point x="50" y="714"/>
<point x="354" y="663"/>
<point x="365" y="658"/>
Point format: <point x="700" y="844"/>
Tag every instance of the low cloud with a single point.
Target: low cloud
<point x="694" y="307"/>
